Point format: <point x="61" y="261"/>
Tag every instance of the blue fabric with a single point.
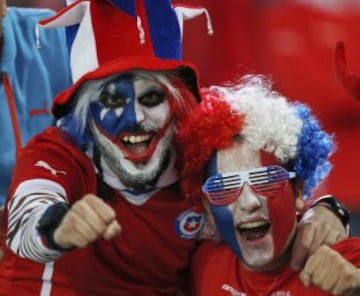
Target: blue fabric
<point x="127" y="6"/>
<point x="164" y="29"/>
<point x="36" y="76"/>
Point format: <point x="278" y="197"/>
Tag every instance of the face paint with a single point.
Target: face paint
<point x="115" y="110"/>
<point x="255" y="227"/>
<point x="223" y="216"/>
<point x="131" y="123"/>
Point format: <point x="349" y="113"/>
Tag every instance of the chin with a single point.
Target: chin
<point x="257" y="254"/>
<point x="259" y="261"/>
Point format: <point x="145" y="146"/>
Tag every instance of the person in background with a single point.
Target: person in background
<point x="260" y="156"/>
<point x="34" y="69"/>
<point x="95" y="206"/>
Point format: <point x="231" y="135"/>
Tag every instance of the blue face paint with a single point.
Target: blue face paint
<point x="112" y="118"/>
<point x="223" y="216"/>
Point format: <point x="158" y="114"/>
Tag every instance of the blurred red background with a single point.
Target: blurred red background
<point x="293" y="42"/>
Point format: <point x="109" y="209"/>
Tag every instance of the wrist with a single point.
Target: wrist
<point x="334" y="206"/>
<point x="49" y="222"/>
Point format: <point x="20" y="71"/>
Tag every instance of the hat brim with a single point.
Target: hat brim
<point x="185" y="71"/>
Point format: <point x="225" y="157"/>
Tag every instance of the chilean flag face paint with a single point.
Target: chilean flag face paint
<point x="257" y="228"/>
<point x="133" y="114"/>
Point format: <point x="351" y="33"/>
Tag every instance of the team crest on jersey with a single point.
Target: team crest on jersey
<point x="189" y="224"/>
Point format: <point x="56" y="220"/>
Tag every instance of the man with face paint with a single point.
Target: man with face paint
<point x="262" y="156"/>
<point x="94" y="207"/>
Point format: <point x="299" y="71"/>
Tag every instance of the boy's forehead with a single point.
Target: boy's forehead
<point x="239" y="156"/>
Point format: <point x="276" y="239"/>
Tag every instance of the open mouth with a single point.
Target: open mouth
<point x="137" y="144"/>
<point x="138" y="147"/>
<point x="253" y="230"/>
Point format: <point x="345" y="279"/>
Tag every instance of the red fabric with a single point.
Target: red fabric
<point x="148" y="258"/>
<point x="119" y="42"/>
<point x="217" y="271"/>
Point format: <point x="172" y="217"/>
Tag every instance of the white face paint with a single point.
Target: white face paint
<point x="133" y="129"/>
<point x="258" y="227"/>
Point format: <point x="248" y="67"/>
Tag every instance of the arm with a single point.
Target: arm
<point x="40" y="230"/>
<point x="321" y="224"/>
<point x="331" y="272"/>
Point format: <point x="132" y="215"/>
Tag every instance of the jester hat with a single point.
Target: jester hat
<point x="106" y="37"/>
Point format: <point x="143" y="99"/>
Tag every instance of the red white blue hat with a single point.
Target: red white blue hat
<point x="106" y="37"/>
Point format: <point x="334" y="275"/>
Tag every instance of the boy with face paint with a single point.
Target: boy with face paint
<point x="260" y="156"/>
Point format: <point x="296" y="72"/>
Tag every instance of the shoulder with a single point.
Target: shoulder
<point x="53" y="155"/>
<point x="28" y="14"/>
<point x="23" y="23"/>
<point x="349" y="249"/>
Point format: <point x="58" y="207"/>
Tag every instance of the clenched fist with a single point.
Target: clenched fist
<point x="88" y="219"/>
<point x="331" y="272"/>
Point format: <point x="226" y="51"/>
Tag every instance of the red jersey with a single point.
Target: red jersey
<point x="149" y="257"/>
<point x="217" y="271"/>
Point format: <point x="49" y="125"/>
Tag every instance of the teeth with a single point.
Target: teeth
<point x="136" y="139"/>
<point x="249" y="225"/>
<point x="132" y="139"/>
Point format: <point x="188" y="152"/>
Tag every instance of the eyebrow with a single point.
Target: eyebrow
<point x="152" y="88"/>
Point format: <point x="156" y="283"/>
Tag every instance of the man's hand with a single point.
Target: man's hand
<point x="328" y="270"/>
<point x="88" y="219"/>
<point x="319" y="226"/>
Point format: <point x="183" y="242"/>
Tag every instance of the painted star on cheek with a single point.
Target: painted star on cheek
<point x="118" y="111"/>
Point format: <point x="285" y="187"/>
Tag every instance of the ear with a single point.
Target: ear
<point x="209" y="217"/>
<point x="299" y="195"/>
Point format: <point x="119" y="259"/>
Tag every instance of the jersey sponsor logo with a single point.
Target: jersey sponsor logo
<point x="235" y="292"/>
<point x="189" y="224"/>
<point x="281" y="293"/>
<point x="232" y="290"/>
<point x="46" y="166"/>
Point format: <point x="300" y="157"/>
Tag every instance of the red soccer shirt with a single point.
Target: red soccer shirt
<point x="149" y="257"/>
<point x="217" y="271"/>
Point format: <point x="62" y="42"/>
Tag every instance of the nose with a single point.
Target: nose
<point x="139" y="113"/>
<point x="248" y="199"/>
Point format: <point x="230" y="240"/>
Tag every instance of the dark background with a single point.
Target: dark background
<point x="293" y="42"/>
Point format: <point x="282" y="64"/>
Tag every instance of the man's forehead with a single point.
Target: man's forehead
<point x="139" y="84"/>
